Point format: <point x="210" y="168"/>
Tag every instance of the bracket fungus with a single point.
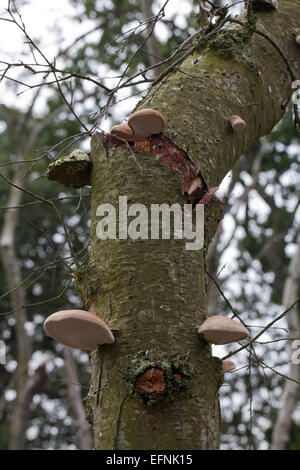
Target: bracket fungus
<point x="222" y="330"/>
<point x="124" y="132"/>
<point x="78" y="329"/>
<point x="198" y="193"/>
<point x="264" y="4"/>
<point x="237" y="123"/>
<point x="228" y="366"/>
<point x="140" y="126"/>
<point x="146" y="122"/>
<point x="196" y="184"/>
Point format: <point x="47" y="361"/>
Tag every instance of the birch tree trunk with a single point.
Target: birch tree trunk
<point x="152" y="46"/>
<point x="153" y="292"/>
<point x="13" y="276"/>
<point x="73" y="385"/>
<point x="281" y="433"/>
<point x="25" y="142"/>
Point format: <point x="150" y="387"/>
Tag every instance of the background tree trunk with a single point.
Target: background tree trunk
<point x="153" y="292"/>
<point x="281" y="433"/>
<point x="152" y="46"/>
<point x="26" y="140"/>
<point x="83" y="428"/>
<point x="13" y="275"/>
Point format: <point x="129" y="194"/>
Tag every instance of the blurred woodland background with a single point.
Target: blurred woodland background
<point x="44" y="227"/>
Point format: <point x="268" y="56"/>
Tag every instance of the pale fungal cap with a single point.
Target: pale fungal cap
<point x="298" y="40"/>
<point x="222" y="330"/>
<point x="228" y="366"/>
<point x="237" y="123"/>
<point x="196" y="183"/>
<point x="123" y="131"/>
<point x="78" y="329"/>
<point x="146" y="122"/>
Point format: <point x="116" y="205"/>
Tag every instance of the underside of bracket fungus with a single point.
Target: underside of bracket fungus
<point x="264" y="4"/>
<point x="78" y="329"/>
<point x="228" y="366"/>
<point x="222" y="330"/>
<point x="72" y="170"/>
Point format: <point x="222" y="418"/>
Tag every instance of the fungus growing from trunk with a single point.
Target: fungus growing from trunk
<point x="196" y="184"/>
<point x="78" y="329"/>
<point x="222" y="330"/>
<point x="146" y="122"/>
<point x="228" y="366"/>
<point x="237" y="123"/>
<point x="123" y="131"/>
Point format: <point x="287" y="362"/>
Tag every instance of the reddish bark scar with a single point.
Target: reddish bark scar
<point x="151" y="383"/>
<point x="195" y="189"/>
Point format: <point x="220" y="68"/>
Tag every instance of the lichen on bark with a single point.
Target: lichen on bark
<point x="153" y="378"/>
<point x="72" y="170"/>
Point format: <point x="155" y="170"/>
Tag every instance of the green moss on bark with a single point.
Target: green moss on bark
<point x="177" y="371"/>
<point x="88" y="282"/>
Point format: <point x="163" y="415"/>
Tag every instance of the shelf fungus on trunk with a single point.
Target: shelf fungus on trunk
<point x="146" y="122"/>
<point x="222" y="330"/>
<point x="71" y="170"/>
<point x="228" y="366"/>
<point x="123" y="132"/>
<point x="236" y="123"/>
<point x="78" y="329"/>
<point x="139" y="127"/>
<point x="198" y="193"/>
